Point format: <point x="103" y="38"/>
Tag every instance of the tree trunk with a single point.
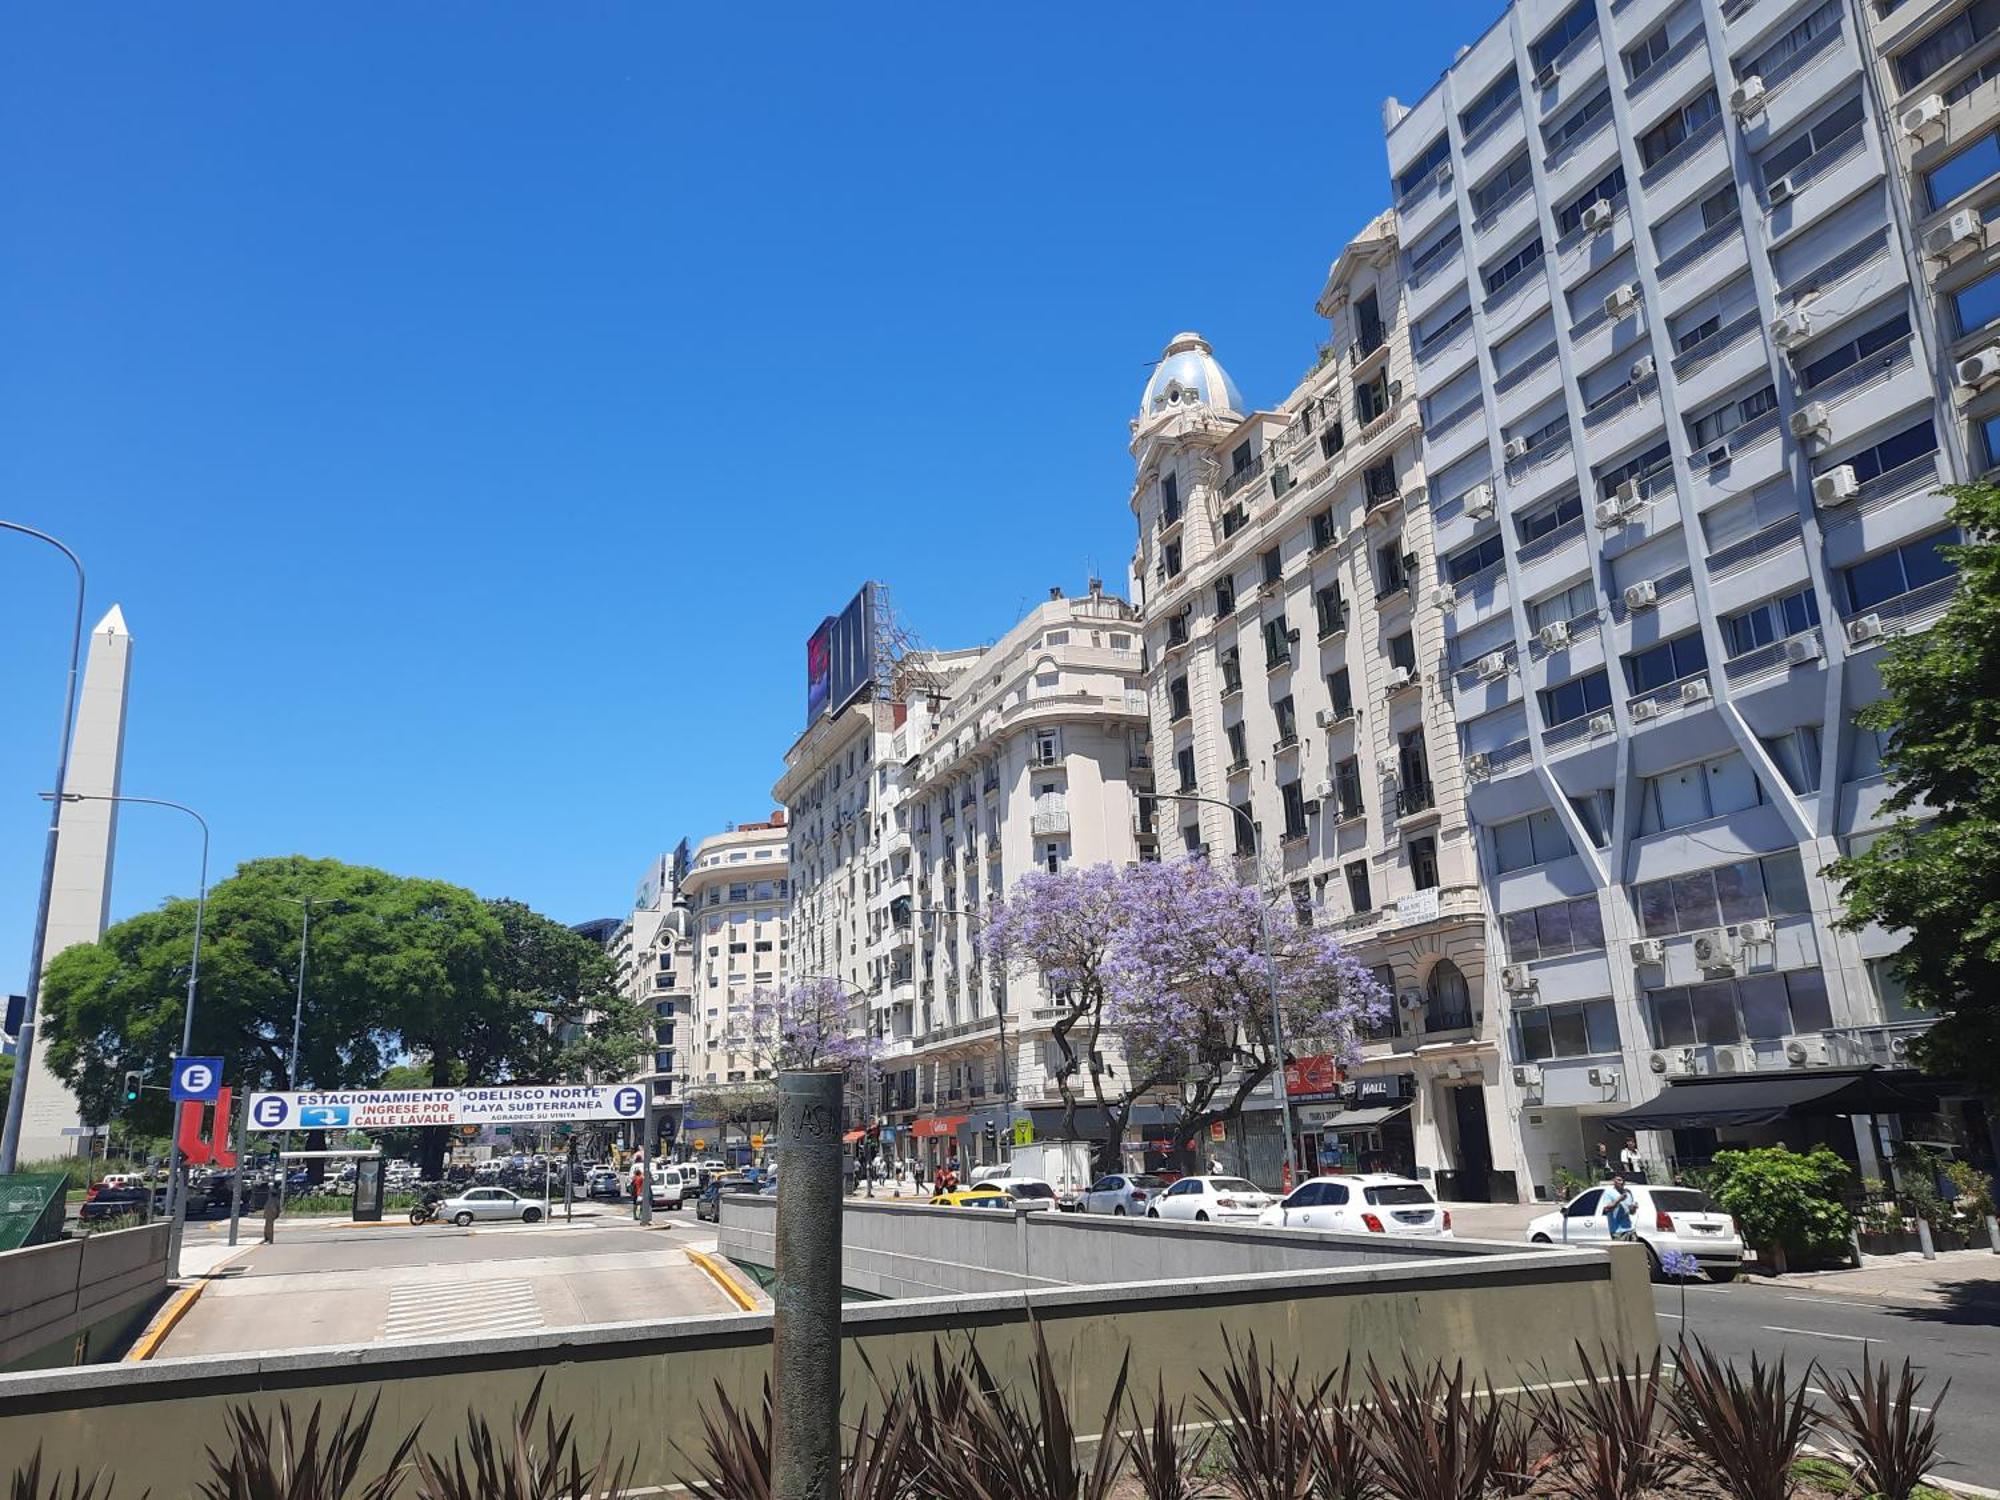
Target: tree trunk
<point x="432" y="1142"/>
<point x="315" y="1166"/>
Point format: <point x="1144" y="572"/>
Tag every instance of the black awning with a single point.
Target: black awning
<point x="1758" y="1101"/>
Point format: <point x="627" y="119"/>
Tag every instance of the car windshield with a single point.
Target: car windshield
<point x="1031" y="1190"/>
<point x="1400" y="1192"/>
<point x="1682" y="1201"/>
<point x="1147" y="1181"/>
<point x="1232" y="1185"/>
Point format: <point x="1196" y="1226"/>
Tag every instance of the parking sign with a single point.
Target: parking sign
<point x="196" y="1078"/>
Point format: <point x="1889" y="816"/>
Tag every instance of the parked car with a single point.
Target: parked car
<point x="114" y="1203"/>
<point x="1667" y="1218"/>
<point x="985" y="1195"/>
<point x="1364" y="1203"/>
<point x="605" y="1183"/>
<point x="1122" y="1193"/>
<point x="1222" y="1200"/>
<point x="489" y="1203"/>
<point x="1027" y="1192"/>
<point x="709" y="1205"/>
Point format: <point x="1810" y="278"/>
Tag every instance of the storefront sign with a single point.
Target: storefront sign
<point x="1218" y="1130"/>
<point x="1312" y="1075"/>
<point x="396" y="1109"/>
<point x="1418" y="906"/>
<point x="943" y="1125"/>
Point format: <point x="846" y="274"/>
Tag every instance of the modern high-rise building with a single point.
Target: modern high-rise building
<point x="1037" y="759"/>
<point x="1680" y="360"/>
<point x="1296" y="677"/>
<point x="736" y="891"/>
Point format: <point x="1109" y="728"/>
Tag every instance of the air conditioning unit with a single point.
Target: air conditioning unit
<point x="1747" y="98"/>
<point x="1528" y="1077"/>
<point x="1411" y="999"/>
<point x="1603" y="1078"/>
<point x="1623" y="300"/>
<point x="1324" y="791"/>
<point x="1602" y="724"/>
<point x="1696" y="691"/>
<point x="1980" y="368"/>
<point x="1387" y="764"/>
<point x="1479" y="501"/>
<point x="1641" y="595"/>
<point x="1477" y="766"/>
<point x="1516" y="980"/>
<point x="1836" y="485"/>
<point x="1812" y="421"/>
<point x="1546" y="79"/>
<point x="1864" y="629"/>
<point x="1326" y="718"/>
<point x="1758" y="930"/>
<point x="1807" y="1052"/>
<point x="1712" y="953"/>
<point x="1444" y="601"/>
<point x="1801" y="649"/>
<point x="1716" y="456"/>
<point x="1727" y="1060"/>
<point x="1923" y="122"/>
<point x="1644" y="709"/>
<point x="1608" y="513"/>
<point x="1492" y="666"/>
<point x="1400" y="677"/>
<point x="1791" y="329"/>
<point x="1678" y="1062"/>
<point x="1597" y="216"/>
<point x="1513" y="448"/>
<point x="1642" y="368"/>
<point x="1778" y="192"/>
<point x="1554" y="637"/>
<point x="1627" y="494"/>
<point x="1649" y="951"/>
<point x="1958" y="235"/>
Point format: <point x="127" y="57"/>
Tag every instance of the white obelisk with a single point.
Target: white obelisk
<point x="80" y="903"/>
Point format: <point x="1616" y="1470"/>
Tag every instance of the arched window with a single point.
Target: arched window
<point x="1448" y="1001"/>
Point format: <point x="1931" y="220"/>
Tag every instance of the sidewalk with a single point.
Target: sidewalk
<point x="1957" y="1278"/>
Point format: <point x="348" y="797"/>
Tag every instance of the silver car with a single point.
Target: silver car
<point x="490" y="1203"/>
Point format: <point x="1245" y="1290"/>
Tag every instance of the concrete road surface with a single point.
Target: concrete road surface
<point x="321" y="1284"/>
<point x="1955" y="1338"/>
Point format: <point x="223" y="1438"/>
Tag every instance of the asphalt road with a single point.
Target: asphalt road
<point x="1958" y="1342"/>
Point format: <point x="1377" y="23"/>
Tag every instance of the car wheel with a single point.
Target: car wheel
<point x="1541" y="1239"/>
<point x="1653" y="1263"/>
<point x="463" y="1218"/>
<point x="531" y="1216"/>
<point x="1152" y="1213"/>
<point x="1200" y="1216"/>
<point x="1118" y="1212"/>
<point x="1722" y="1273"/>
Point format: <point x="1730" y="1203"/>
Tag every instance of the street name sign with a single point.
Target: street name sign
<point x="398" y="1109"/>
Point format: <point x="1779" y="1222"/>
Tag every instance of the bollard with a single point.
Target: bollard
<point x="805" y="1296"/>
<point x="1993" y="1234"/>
<point x="1924" y="1242"/>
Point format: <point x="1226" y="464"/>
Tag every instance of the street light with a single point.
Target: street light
<point x="24" y="1045"/>
<point x="1270" y="963"/>
<point x="176" y="1193"/>
<point x="999" y="1012"/>
<point x="299" y="999"/>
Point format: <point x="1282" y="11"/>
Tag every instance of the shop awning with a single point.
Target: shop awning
<point x="1362" y="1119"/>
<point x="1760" y="1100"/>
<point x="941" y="1125"/>
<point x="852" y="1136"/>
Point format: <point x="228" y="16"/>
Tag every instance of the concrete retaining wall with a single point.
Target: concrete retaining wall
<point x="50" y="1294"/>
<point x="911" y="1250"/>
<point x="1508" y="1313"/>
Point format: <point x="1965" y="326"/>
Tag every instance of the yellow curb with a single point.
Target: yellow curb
<point x="164" y="1321"/>
<point x="722" y="1279"/>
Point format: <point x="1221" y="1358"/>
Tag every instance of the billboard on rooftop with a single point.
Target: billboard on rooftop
<point x="840" y="656"/>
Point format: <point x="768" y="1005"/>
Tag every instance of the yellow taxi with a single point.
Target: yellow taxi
<point x="982" y="1196"/>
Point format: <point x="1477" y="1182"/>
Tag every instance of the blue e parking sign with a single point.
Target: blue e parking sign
<point x="197" y="1078"/>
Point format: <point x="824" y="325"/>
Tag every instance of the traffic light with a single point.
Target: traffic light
<point x="132" y="1077"/>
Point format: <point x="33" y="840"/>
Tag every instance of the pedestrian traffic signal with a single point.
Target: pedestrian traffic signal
<point x="132" y="1077"/>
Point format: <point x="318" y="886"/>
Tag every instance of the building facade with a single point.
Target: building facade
<point x="1296" y="677"/>
<point x="1036" y="759"/>
<point x="1678" y="356"/>
<point x="735" y="892"/>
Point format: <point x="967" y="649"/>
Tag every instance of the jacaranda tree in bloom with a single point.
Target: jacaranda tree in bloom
<point x="1170" y="959"/>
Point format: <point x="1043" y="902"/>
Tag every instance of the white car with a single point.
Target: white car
<point x="1364" y="1203"/>
<point x="1667" y="1218"/>
<point x="1221" y="1200"/>
<point x="489" y="1203"/>
<point x="1027" y="1192"/>
<point x="1122" y="1193"/>
<point x="671" y="1185"/>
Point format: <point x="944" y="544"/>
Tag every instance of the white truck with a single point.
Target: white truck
<point x="1063" y="1165"/>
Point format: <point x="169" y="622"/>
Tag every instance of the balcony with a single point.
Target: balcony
<point x="1695" y="41"/>
<point x="1694" y="690"/>
<point x="1911" y="611"/>
<point x="1778" y="656"/>
<point x="1842" y="148"/>
<point x="1886" y="488"/>
<point x="1414" y="797"/>
<point x="1739" y="554"/>
<point x="1577" y="142"/>
<point x="1539" y="360"/>
<point x="1784" y="72"/>
<point x="1441" y="1018"/>
<point x="1497" y="211"/>
<point x="1240" y="478"/>
<point x="1550" y="543"/>
<point x="1655" y="177"/>
<point x="1573" y="731"/>
<point x="1692" y="253"/>
<point x="1835" y="269"/>
<point x="1625" y="398"/>
<point x="1698" y="356"/>
<point x="1882" y="366"/>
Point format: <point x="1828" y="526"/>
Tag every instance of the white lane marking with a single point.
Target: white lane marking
<point x="1813" y="1390"/>
<point x="1814" y="1333"/>
<point x="417" y="1312"/>
<point x="1675" y="1316"/>
<point x="1826" y="1301"/>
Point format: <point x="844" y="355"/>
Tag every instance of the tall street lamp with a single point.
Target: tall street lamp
<point x="1270" y="963"/>
<point x="999" y="1012"/>
<point x="176" y="1191"/>
<point x="24" y="1047"/>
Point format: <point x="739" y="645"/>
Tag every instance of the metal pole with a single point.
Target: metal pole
<point x="236" y="1180"/>
<point x="805" y="1297"/>
<point x="24" y="1045"/>
<point x="646" y="1161"/>
<point x="1270" y="963"/>
<point x="299" y="1001"/>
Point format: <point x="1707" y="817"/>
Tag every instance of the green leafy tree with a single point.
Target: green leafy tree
<point x="1935" y="874"/>
<point x="1785" y="1200"/>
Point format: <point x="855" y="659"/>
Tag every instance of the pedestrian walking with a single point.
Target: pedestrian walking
<point x="271" y="1201"/>
<point x="1619" y="1206"/>
<point x="638" y="1189"/>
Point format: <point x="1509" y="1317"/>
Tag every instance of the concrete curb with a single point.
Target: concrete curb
<point x="164" y="1322"/>
<point x="722" y="1278"/>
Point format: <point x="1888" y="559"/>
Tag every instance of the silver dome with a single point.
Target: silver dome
<point x="1188" y="376"/>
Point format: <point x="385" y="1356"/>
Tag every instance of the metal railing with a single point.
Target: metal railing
<point x="1750" y="548"/>
<point x="1738" y="439"/>
<point x="1569" y="731"/>
<point x="1238" y="478"/>
<point x="1577" y="236"/>
<point x="1447" y="1017"/>
<point x="1473" y="583"/>
<point x="1440" y="339"/>
<point x="1443" y="258"/>
<point x="1674" y="54"/>
<point x="1698" y="248"/>
<point x="1466" y="674"/>
<point x="1624" y="399"/>
<point x="1540" y="359"/>
<point x="1574" y="48"/>
<point x="1681" y="154"/>
<point x="1424" y="185"/>
<point x="1886" y="488"/>
<point x="1720" y="342"/>
<point x="1668" y="696"/>
<point x="1904" y="610"/>
<point x="1784" y="72"/>
<point x="1590" y="322"/>
<point x="1577" y="142"/>
<point x="1485" y="130"/>
<point x="1507" y="200"/>
<point x="1413" y="797"/>
<point x="1843" y="146"/>
<point x="1439" y="426"/>
<point x="1551" y="541"/>
<point x="1836" y="268"/>
<point x="1531" y="278"/>
<point x="1768" y="657"/>
<point x="1539" y="456"/>
<point x="1509" y="755"/>
<point x="1583" y="625"/>
<point x="1882" y="365"/>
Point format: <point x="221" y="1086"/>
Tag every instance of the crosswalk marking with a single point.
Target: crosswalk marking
<point x="417" y="1312"/>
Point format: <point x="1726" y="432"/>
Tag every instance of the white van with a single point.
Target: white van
<point x="672" y="1185"/>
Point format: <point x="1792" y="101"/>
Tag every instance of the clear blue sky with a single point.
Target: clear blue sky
<point x="474" y="407"/>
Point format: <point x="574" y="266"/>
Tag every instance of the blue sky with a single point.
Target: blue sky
<point x="474" y="407"/>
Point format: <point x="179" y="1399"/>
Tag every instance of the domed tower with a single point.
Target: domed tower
<point x="1188" y="378"/>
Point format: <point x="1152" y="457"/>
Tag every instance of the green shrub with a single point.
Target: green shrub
<point x="1785" y="1199"/>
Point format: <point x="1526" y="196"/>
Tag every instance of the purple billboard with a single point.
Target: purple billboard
<point x="840" y="656"/>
